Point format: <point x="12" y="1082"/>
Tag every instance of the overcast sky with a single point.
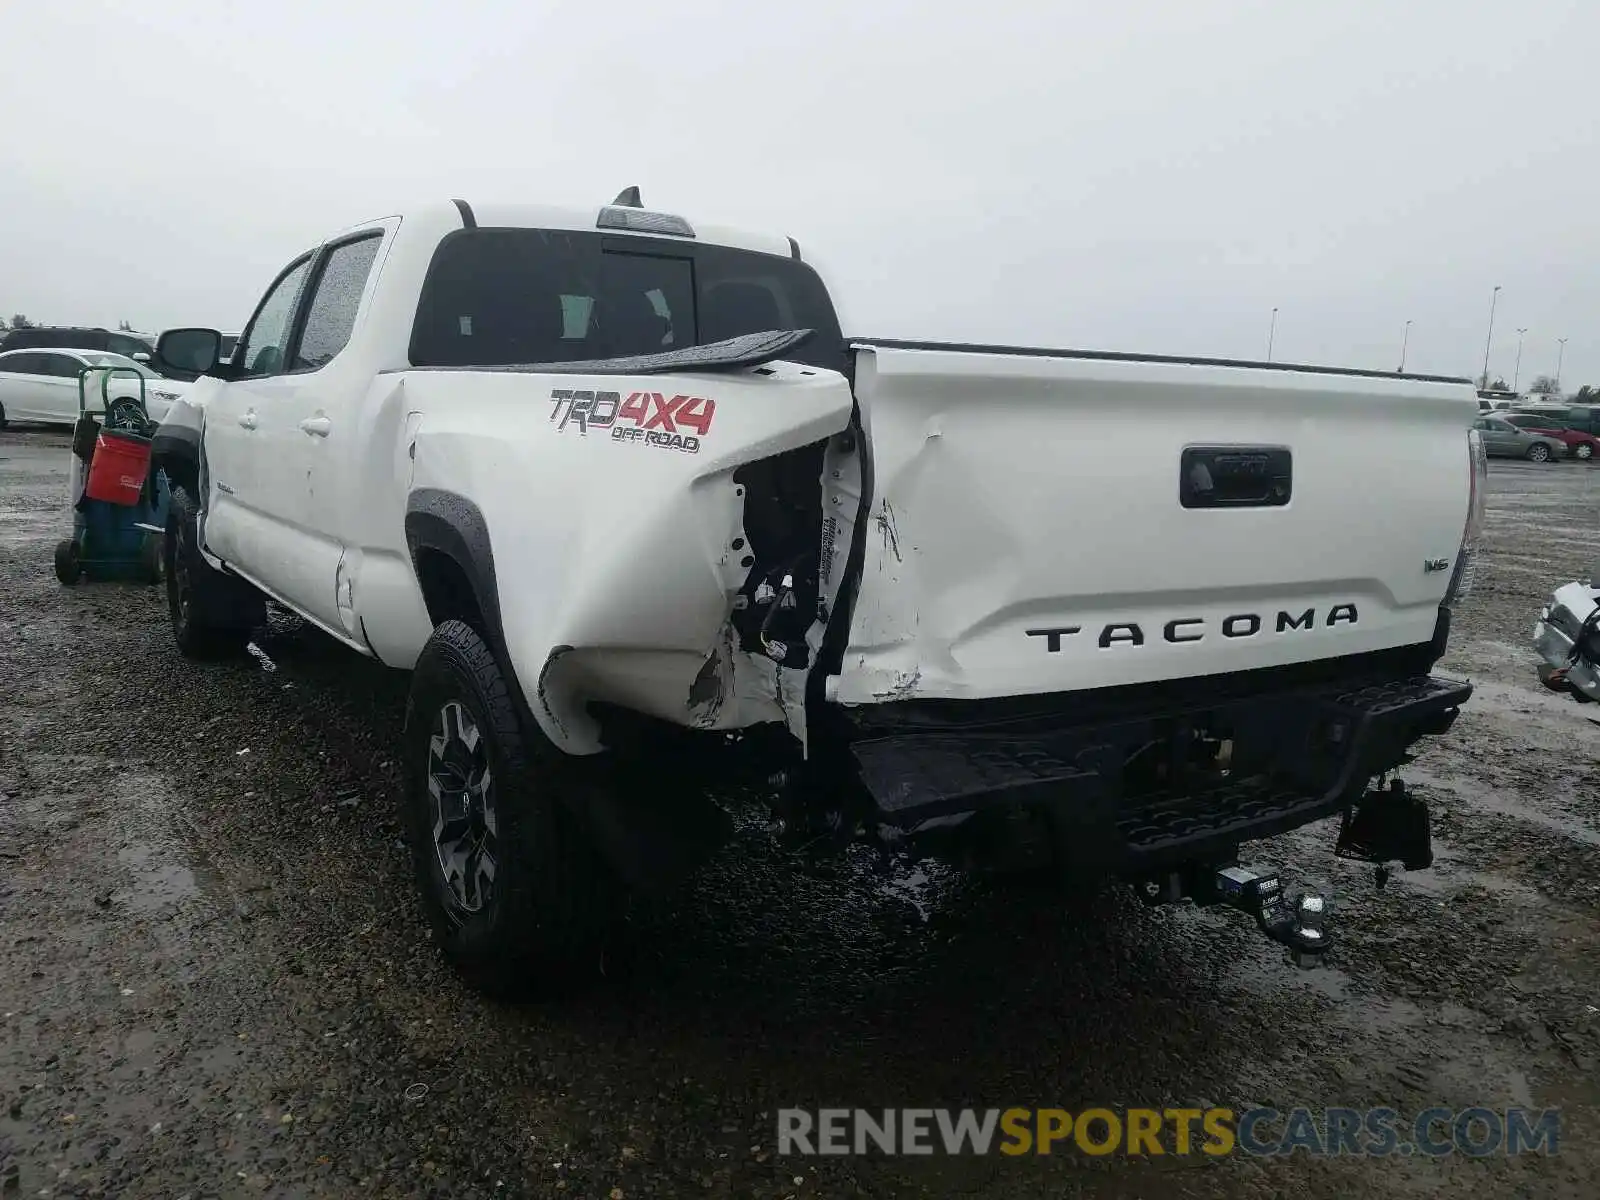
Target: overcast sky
<point x="1151" y="175"/>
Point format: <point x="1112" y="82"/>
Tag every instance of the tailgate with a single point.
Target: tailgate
<point x="1042" y="522"/>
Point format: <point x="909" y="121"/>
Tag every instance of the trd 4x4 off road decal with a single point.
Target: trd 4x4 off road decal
<point x="648" y="417"/>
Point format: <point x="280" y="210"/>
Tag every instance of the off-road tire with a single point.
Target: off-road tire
<point x="540" y="927"/>
<point x="212" y="613"/>
<point x="1538" y="452"/>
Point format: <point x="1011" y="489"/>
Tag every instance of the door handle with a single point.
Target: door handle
<point x="248" y="420"/>
<point x="317" y="426"/>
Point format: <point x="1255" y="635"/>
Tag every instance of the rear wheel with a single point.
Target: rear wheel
<point x="212" y="613"/>
<point x="515" y="896"/>
<point x="2" y="417"/>
<point x="1538" y="452"/>
<point x="69" y="562"/>
<point x="1583" y="450"/>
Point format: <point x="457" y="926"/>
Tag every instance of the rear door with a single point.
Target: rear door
<point x="24" y="388"/>
<point x="1503" y="438"/>
<point x="51" y="387"/>
<point x="1045" y="523"/>
<point x="63" y="371"/>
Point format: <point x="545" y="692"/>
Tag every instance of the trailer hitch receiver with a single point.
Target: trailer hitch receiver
<point x="1295" y="921"/>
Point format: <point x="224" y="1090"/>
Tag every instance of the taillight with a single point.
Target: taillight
<point x="1467" y="556"/>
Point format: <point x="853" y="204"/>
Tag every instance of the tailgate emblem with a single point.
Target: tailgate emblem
<point x="1193" y="629"/>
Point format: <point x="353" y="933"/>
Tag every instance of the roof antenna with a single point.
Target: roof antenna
<point x="628" y="198"/>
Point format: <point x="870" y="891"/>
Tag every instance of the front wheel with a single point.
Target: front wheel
<point x="1538" y="452"/>
<point x="515" y="896"/>
<point x="212" y="614"/>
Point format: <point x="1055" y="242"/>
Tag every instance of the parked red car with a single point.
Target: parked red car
<point x="1579" y="444"/>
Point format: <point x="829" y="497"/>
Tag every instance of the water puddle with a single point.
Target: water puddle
<point x="1474" y="795"/>
<point x="922" y="885"/>
<point x="1502" y="806"/>
<point x="1266" y="976"/>
<point x="1450" y="875"/>
<point x="160" y="879"/>
<point x="1501" y="699"/>
<point x="161" y="868"/>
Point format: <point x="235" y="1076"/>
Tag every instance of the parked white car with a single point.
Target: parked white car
<point x="42" y="385"/>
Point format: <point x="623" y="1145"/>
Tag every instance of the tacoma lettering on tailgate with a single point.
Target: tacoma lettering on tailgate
<point x="1193" y="629"/>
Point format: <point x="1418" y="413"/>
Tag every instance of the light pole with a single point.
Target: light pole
<point x="1560" y="354"/>
<point x="1272" y="333"/>
<point x="1406" y="341"/>
<point x="1516" y="372"/>
<point x="1490" y="340"/>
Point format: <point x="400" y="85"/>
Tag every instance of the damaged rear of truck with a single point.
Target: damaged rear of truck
<point x="644" y="524"/>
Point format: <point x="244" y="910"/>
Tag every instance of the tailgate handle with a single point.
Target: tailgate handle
<point x="1235" y="477"/>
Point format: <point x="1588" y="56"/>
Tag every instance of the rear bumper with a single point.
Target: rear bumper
<point x="1129" y="793"/>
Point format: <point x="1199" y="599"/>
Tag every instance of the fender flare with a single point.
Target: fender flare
<point x="450" y="524"/>
<point x="177" y="450"/>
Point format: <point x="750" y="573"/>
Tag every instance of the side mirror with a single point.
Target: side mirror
<point x="192" y="351"/>
<point x="140" y="357"/>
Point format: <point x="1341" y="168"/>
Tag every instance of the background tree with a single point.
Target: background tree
<point x="1544" y="385"/>
<point x="1587" y="395"/>
<point x="124" y="327"/>
<point x="21" y="322"/>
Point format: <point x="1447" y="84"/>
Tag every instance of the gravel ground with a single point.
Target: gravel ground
<point x="214" y="979"/>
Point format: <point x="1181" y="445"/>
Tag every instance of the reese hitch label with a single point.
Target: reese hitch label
<point x="649" y="418"/>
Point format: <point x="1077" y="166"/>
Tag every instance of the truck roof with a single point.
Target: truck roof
<point x="585" y="219"/>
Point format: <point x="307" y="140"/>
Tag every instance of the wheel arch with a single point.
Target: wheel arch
<point x="448" y="541"/>
<point x="177" y="450"/>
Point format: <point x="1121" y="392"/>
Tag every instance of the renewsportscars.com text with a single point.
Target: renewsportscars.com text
<point x="1374" y="1132"/>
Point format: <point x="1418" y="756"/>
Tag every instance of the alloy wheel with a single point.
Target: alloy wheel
<point x="461" y="793"/>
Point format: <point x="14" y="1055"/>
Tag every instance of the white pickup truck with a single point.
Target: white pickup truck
<point x="613" y="486"/>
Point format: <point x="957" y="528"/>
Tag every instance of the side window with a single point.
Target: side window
<point x="60" y="366"/>
<point x="121" y="343"/>
<point x="21" y="364"/>
<point x="263" y="343"/>
<point x="331" y="313"/>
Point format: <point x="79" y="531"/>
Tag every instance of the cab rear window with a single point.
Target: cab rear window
<point x="502" y="297"/>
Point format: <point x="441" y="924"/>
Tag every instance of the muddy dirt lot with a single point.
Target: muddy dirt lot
<point x="214" y="979"/>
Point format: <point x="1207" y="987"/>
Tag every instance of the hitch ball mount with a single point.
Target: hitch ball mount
<point x="1388" y="825"/>
<point x="1294" y="921"/>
